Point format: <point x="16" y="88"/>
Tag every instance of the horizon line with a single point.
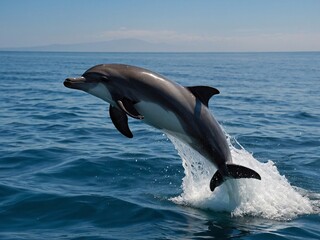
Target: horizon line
<point x="176" y="52"/>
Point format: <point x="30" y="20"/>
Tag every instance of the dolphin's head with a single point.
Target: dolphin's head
<point x="94" y="81"/>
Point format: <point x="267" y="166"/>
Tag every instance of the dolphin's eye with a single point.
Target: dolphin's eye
<point x="104" y="78"/>
<point x="96" y="77"/>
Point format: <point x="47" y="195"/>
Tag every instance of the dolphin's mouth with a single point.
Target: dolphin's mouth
<point x="75" y="83"/>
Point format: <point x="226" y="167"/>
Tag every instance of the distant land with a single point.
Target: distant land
<point x="135" y="45"/>
<point x="120" y="45"/>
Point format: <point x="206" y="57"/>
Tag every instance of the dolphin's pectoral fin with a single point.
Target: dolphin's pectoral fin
<point x="120" y="121"/>
<point x="234" y="171"/>
<point x="203" y="93"/>
<point x="126" y="105"/>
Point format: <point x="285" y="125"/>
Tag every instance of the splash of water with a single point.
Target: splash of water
<point x="273" y="197"/>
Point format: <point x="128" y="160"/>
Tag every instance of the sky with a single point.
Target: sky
<point x="197" y="25"/>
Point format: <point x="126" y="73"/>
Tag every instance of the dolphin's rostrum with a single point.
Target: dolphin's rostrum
<point x="176" y="110"/>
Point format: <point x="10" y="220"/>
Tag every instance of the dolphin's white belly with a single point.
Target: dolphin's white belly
<point x="161" y="118"/>
<point x="101" y="91"/>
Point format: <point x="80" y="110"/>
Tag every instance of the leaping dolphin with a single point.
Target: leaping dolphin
<point x="176" y="110"/>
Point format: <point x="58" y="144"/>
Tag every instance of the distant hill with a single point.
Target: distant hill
<point x="121" y="45"/>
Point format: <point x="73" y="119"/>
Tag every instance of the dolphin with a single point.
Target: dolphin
<point x="174" y="109"/>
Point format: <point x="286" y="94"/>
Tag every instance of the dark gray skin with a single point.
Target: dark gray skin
<point x="179" y="111"/>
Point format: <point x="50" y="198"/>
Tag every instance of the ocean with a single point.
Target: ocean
<point x="67" y="173"/>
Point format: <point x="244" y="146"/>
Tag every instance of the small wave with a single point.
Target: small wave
<point x="304" y="115"/>
<point x="273" y="197"/>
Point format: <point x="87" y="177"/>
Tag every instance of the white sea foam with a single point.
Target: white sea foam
<point x="273" y="197"/>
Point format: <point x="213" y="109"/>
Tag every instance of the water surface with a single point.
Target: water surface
<point x="66" y="173"/>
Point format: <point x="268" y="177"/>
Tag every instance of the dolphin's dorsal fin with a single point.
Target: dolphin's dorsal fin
<point x="126" y="105"/>
<point x="120" y="121"/>
<point x="203" y="93"/>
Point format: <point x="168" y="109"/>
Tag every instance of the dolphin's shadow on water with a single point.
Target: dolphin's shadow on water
<point x="222" y="230"/>
<point x="202" y="224"/>
<point x="224" y="226"/>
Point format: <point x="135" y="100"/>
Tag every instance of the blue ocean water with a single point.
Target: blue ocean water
<point x="66" y="173"/>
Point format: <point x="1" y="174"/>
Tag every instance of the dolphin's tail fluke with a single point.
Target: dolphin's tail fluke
<point x="233" y="171"/>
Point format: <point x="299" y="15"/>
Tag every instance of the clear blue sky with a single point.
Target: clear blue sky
<point x="228" y="25"/>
